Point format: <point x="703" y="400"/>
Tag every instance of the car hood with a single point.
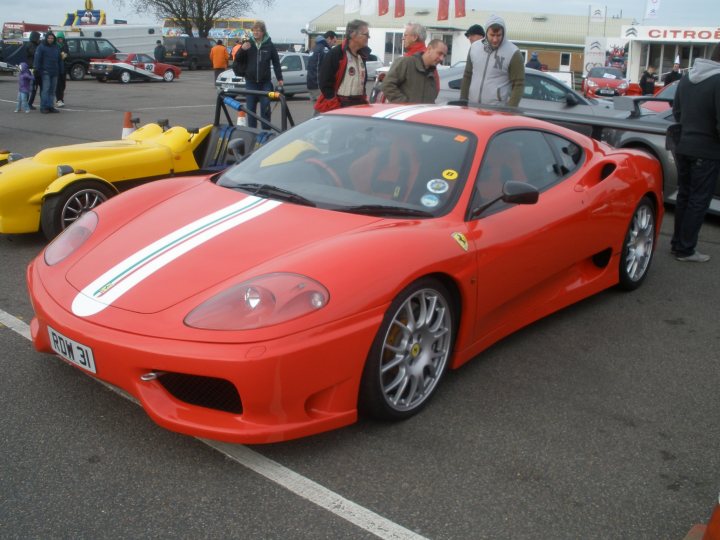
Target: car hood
<point x="603" y="81"/>
<point x="194" y="241"/>
<point x="88" y="153"/>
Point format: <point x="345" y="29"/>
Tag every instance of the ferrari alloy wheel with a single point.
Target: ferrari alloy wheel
<point x="639" y="246"/>
<point x="410" y="352"/>
<point x="60" y="211"/>
<point x="168" y="76"/>
<point x="125" y="77"/>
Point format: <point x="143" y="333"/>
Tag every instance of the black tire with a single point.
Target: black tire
<point x="59" y="211"/>
<point x="638" y="246"/>
<point x="77" y="71"/>
<point x="409" y="355"/>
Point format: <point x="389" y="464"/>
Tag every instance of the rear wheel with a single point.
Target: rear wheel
<point x="639" y="246"/>
<point x="410" y="353"/>
<point x="169" y="76"/>
<point x="60" y="211"/>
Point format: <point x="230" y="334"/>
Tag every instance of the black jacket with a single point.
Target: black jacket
<point x="697" y="107"/>
<point x="316" y="56"/>
<point x="647" y="83"/>
<point x="257" y="62"/>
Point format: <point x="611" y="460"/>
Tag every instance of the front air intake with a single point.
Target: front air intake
<point x="209" y="392"/>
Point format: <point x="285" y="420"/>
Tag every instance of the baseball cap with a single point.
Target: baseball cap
<point x="475" y="30"/>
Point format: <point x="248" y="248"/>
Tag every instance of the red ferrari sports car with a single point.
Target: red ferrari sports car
<point x="341" y="267"/>
<point x="126" y="67"/>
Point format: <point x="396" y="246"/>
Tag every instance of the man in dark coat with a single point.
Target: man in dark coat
<point x="48" y="63"/>
<point x="697" y="107"/>
<point x="37" y="82"/>
<point x="323" y="44"/>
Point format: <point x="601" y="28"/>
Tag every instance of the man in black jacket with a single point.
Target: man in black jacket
<point x="256" y="55"/>
<point x="697" y="108"/>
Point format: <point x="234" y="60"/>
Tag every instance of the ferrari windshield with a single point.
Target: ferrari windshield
<point x="364" y="165"/>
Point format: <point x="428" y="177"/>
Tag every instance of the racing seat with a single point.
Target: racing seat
<point x="386" y="172"/>
<point x="216" y="154"/>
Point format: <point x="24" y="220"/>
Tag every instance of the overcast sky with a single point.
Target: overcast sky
<point x="287" y="17"/>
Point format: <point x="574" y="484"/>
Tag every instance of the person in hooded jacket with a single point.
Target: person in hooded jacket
<point x="257" y="55"/>
<point x="25" y="81"/>
<point x="48" y="63"/>
<point x="62" y="76"/>
<point x="323" y="44"/>
<point x="534" y="63"/>
<point x="494" y="72"/>
<point x="37" y="81"/>
<point x="697" y="154"/>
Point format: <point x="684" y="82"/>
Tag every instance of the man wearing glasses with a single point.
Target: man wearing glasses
<point x="343" y="74"/>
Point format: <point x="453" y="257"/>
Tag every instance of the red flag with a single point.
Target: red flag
<point x="383" y="6"/>
<point x="443" y="10"/>
<point x="399" y="8"/>
<point x="459" y="8"/>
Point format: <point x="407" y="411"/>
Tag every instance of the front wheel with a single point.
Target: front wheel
<point x="60" y="211"/>
<point x="410" y="353"/>
<point x="638" y="246"/>
<point x="169" y="76"/>
<point x="125" y="77"/>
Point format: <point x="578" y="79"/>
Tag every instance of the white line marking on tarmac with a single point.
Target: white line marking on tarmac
<point x="279" y="474"/>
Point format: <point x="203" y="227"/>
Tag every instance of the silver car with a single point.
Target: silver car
<point x="294" y="70"/>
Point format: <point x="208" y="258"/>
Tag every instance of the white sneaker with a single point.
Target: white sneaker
<point x="60" y="103"/>
<point x="695" y="257"/>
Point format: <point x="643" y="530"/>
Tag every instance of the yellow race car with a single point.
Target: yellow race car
<point x="50" y="190"/>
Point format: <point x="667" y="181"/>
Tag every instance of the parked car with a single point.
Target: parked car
<point x="188" y="52"/>
<point x="294" y="70"/>
<point x="126" y="67"/>
<point x="81" y="50"/>
<point x="604" y="82"/>
<point x="372" y="65"/>
<point x="341" y="267"/>
<point x="51" y="190"/>
<point x="666" y="92"/>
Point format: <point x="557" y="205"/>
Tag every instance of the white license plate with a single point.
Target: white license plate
<point x="72" y="351"/>
<point x="607" y="92"/>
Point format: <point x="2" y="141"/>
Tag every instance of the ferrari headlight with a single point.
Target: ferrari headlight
<point x="262" y="301"/>
<point x="71" y="238"/>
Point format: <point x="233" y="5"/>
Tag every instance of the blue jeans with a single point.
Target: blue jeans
<point x="696" y="186"/>
<point x="251" y="102"/>
<point x="47" y="93"/>
<point x="22" y="102"/>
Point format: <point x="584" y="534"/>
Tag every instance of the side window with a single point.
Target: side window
<point x="105" y="48"/>
<point x="88" y="47"/>
<point x="291" y="63"/>
<point x="570" y="154"/>
<point x="518" y="155"/>
<point x="72" y="46"/>
<point x="552" y="91"/>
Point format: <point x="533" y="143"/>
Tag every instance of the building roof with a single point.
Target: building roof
<point x="522" y="27"/>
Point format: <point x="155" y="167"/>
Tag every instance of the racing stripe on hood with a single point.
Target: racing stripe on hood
<point x="133" y="270"/>
<point x="407" y="111"/>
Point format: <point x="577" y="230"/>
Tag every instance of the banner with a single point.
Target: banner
<point x="383" y="7"/>
<point x="352" y="6"/>
<point x="459" y="8"/>
<point x="443" y="10"/>
<point x="597" y="13"/>
<point x="368" y="7"/>
<point x="399" y="8"/>
<point x="651" y="9"/>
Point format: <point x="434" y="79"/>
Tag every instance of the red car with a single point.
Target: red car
<point x="341" y="267"/>
<point x="126" y="67"/>
<point x="667" y="92"/>
<point x="604" y="82"/>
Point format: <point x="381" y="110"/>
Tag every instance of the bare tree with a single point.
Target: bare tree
<point x="200" y="14"/>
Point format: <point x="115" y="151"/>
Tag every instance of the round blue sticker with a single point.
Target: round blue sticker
<point x="430" y="200"/>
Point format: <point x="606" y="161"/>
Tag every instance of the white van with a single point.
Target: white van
<point x="129" y="38"/>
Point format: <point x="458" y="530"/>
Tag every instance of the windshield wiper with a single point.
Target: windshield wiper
<point x="274" y="192"/>
<point x="385" y="210"/>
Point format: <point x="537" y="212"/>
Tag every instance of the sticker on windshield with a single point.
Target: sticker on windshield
<point x="437" y="186"/>
<point x="450" y="174"/>
<point x="430" y="200"/>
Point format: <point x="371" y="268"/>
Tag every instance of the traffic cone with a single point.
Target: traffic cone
<point x="128" y="126"/>
<point x="241" y="118"/>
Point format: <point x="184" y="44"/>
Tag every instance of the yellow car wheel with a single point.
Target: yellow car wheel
<point x="60" y="211"/>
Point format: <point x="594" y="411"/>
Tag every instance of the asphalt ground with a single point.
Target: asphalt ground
<point x="600" y="421"/>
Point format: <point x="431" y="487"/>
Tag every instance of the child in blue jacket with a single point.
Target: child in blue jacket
<point x="25" y="82"/>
